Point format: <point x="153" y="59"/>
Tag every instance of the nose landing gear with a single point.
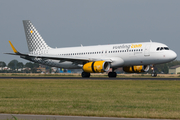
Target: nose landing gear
<point x="154" y="74"/>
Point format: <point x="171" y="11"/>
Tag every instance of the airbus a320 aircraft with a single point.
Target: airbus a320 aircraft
<point x="133" y="57"/>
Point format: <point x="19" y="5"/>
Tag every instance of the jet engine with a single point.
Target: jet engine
<point x="136" y="69"/>
<point x="96" y="67"/>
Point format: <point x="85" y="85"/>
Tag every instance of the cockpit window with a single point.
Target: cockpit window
<point x="166" y="48"/>
<point x="162" y="48"/>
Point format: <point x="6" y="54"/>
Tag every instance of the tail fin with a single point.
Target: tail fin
<point x="34" y="40"/>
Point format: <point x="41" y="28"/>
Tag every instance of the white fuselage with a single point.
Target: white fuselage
<point x="119" y="55"/>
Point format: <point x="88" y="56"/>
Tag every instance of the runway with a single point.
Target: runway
<point x="96" y="78"/>
<point x="58" y="117"/>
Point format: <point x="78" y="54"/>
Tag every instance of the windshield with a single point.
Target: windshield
<point x="162" y="48"/>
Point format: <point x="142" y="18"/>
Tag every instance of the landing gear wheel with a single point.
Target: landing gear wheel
<point x="112" y="74"/>
<point x="85" y="75"/>
<point x="154" y="74"/>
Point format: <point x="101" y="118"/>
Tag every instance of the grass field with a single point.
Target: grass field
<point x="79" y="75"/>
<point x="111" y="98"/>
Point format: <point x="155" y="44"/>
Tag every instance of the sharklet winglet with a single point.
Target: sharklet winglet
<point x="13" y="48"/>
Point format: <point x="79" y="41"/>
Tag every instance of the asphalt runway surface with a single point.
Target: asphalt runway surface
<point x="58" y="117"/>
<point x="95" y="78"/>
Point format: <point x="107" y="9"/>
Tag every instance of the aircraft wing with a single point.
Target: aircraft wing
<point x="56" y="57"/>
<point x="68" y="58"/>
<point x="15" y="51"/>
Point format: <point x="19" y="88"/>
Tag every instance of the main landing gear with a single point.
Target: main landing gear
<point x="154" y="74"/>
<point x="85" y="75"/>
<point x="112" y="74"/>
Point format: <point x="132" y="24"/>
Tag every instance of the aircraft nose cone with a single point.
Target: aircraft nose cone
<point x="173" y="55"/>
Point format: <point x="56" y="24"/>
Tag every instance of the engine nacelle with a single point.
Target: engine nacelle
<point x="96" y="67"/>
<point x="136" y="69"/>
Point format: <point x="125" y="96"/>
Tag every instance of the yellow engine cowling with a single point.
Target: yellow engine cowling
<point x="96" y="67"/>
<point x="136" y="69"/>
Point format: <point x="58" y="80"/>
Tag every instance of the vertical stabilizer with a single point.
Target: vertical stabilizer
<point x="34" y="40"/>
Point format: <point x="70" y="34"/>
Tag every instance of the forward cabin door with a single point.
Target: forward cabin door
<point x="147" y="50"/>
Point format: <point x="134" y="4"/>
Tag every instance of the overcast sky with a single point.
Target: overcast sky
<point x="66" y="23"/>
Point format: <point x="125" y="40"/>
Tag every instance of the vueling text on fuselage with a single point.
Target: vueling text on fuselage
<point x="122" y="47"/>
<point x="127" y="46"/>
<point x="136" y="46"/>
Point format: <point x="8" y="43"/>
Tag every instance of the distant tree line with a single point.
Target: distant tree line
<point x="164" y="68"/>
<point x="16" y="66"/>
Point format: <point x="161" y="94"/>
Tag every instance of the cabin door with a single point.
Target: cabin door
<point x="147" y="50"/>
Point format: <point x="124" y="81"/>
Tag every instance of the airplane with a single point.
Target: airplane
<point x="133" y="57"/>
